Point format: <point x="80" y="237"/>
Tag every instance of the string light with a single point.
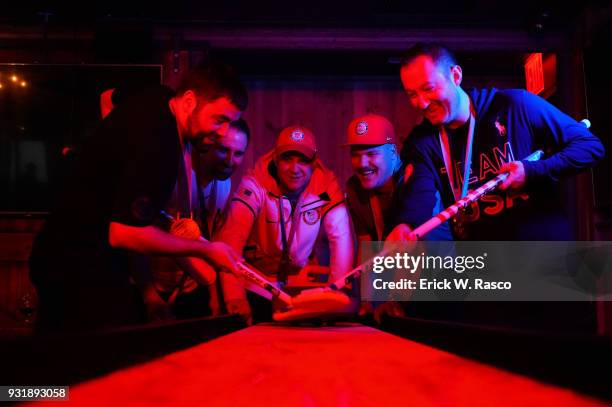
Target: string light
<point x="15" y="79"/>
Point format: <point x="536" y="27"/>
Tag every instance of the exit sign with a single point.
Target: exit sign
<point x="534" y="73"/>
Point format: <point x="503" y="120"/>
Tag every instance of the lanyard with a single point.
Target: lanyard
<point x="295" y="219"/>
<point x="467" y="163"/>
<point x="183" y="183"/>
<point x="209" y="211"/>
<point x="285" y="263"/>
<point x="189" y="172"/>
<point x="379" y="222"/>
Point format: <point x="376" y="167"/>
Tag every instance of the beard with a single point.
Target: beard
<point x="222" y="172"/>
<point x="202" y="141"/>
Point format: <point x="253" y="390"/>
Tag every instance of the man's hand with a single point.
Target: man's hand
<point x="389" y="308"/>
<point x="240" y="307"/>
<point x="397" y="239"/>
<point x="157" y="308"/>
<point x="366" y="308"/>
<point x="516" y="175"/>
<point x="222" y="256"/>
<point x="213" y="300"/>
<point x="401" y="233"/>
<point x="311" y="273"/>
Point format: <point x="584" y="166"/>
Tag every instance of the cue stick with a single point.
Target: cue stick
<point x="244" y="270"/>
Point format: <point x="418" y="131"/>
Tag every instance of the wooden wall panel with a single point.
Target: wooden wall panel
<point x="326" y="106"/>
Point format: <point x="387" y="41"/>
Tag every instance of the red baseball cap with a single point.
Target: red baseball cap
<point x="296" y="138"/>
<point x="371" y="129"/>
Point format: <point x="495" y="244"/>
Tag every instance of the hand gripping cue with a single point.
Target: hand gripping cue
<point x="188" y="230"/>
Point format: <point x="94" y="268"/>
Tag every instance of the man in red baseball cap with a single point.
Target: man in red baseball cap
<point x="378" y="171"/>
<point x="294" y="156"/>
<point x="372" y="190"/>
<point x="277" y="214"/>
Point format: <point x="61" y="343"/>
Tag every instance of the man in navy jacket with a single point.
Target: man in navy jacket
<point x="466" y="139"/>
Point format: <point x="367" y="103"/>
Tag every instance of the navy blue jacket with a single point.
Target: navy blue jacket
<point x="510" y="125"/>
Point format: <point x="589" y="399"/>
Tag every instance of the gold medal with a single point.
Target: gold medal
<point x="465" y="216"/>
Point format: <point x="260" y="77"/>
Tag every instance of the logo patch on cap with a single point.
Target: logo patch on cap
<point x="361" y="128"/>
<point x="297" y="135"/>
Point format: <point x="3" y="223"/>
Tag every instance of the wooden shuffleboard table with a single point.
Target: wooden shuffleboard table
<point x="220" y="362"/>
